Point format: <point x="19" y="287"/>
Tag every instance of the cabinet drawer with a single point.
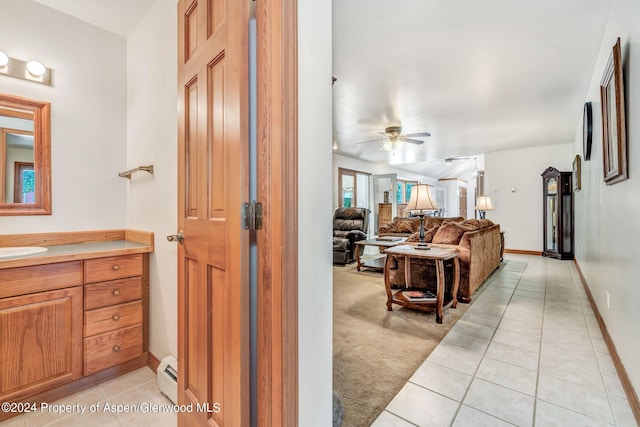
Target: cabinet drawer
<point x="112" y="318"/>
<point x="38" y="278"/>
<point x="110" y="268"/>
<point x="111" y="293"/>
<point x="112" y="348"/>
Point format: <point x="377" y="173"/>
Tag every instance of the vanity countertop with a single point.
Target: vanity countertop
<point x="70" y="250"/>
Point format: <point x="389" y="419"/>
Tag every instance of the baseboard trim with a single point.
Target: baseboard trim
<point x="153" y="362"/>
<point x="521" y="252"/>
<point x="632" y="397"/>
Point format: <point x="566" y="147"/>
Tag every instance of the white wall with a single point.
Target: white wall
<point x="152" y="139"/>
<point x="315" y="282"/>
<point x="607" y="226"/>
<point x="513" y="181"/>
<point x="88" y="114"/>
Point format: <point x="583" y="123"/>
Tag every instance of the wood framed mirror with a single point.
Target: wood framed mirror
<point x="25" y="156"/>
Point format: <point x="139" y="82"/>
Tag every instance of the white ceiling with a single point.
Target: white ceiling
<point x="481" y="76"/>
<point x="117" y="16"/>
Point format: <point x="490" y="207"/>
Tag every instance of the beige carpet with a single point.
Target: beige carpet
<point x="376" y="351"/>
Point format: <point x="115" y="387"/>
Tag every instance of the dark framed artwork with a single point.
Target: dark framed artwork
<point x="614" y="138"/>
<point x="577" y="181"/>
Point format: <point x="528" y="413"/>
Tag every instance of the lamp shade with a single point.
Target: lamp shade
<point x="420" y="199"/>
<point x="484" y="204"/>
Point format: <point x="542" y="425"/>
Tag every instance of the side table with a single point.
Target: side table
<point x="435" y="254"/>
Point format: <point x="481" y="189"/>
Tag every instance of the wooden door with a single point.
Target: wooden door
<point x="463" y="202"/>
<point x="40" y="342"/>
<point x="213" y="297"/>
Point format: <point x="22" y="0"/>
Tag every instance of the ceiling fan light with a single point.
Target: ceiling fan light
<point x="388" y="146"/>
<point x="4" y="59"/>
<point x="399" y="143"/>
<point x="448" y="162"/>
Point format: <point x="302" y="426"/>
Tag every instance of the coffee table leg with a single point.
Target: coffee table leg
<point x="358" y="256"/>
<point x="440" y="289"/>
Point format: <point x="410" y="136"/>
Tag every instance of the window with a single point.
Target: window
<point x="24" y="190"/>
<point x="403" y="193"/>
<point x="353" y="187"/>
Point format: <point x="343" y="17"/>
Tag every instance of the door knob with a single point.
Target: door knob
<point x="176" y="237"/>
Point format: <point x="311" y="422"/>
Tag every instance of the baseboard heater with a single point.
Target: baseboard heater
<point x="167" y="375"/>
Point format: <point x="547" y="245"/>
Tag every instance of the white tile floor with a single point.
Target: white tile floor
<point x="130" y="389"/>
<point x="528" y="352"/>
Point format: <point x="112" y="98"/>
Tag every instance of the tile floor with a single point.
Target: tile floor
<point x="528" y="352"/>
<point x="133" y="388"/>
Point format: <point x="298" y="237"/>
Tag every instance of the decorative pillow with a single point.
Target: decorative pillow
<point x="470" y="225"/>
<point x="428" y="235"/>
<point x="484" y="223"/>
<point x="405" y="227"/>
<point x="449" y="233"/>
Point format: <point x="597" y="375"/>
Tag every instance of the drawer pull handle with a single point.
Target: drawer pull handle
<point x="116" y="292"/>
<point x="116" y="348"/>
<point x="116" y="317"/>
<point x="115" y="267"/>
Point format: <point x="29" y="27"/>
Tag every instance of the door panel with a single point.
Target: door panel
<point x="213" y="298"/>
<point x="40" y="341"/>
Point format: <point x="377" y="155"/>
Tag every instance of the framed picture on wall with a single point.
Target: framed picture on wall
<point x="614" y="138"/>
<point x="577" y="182"/>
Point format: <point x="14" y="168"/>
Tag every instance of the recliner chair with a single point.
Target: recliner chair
<point x="349" y="226"/>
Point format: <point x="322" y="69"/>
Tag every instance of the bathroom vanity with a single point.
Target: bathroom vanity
<point x="74" y="315"/>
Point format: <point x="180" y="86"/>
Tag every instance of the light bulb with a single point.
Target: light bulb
<point x="335" y="145"/>
<point x="36" y="68"/>
<point x="448" y="161"/>
<point x="4" y="59"/>
<point x="388" y="146"/>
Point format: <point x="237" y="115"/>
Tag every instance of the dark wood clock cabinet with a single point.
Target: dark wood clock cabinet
<point x="557" y="213"/>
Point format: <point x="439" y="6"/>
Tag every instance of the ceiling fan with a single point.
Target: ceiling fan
<point x="395" y="139"/>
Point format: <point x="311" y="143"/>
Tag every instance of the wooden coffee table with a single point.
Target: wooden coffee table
<point x="374" y="263"/>
<point x="435" y="254"/>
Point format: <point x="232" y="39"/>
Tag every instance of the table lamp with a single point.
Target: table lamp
<point x="484" y="205"/>
<point x="420" y="201"/>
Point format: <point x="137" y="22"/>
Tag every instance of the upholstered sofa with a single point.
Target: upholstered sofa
<point x="478" y="244"/>
<point x="405" y="227"/>
<point x="349" y="226"/>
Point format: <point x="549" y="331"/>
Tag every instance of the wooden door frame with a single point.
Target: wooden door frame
<point x="277" y="177"/>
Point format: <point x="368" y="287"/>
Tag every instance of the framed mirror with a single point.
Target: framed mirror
<point x="25" y="156"/>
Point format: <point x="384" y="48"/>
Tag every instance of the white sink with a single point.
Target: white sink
<point x="18" y="251"/>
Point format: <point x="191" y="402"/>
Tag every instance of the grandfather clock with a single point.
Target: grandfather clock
<point x="557" y="211"/>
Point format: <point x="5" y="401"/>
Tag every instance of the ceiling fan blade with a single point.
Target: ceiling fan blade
<point x="413" y="135"/>
<point x="372" y="140"/>
<point x="413" y="141"/>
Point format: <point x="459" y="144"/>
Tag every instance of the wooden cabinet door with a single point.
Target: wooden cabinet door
<point x="213" y="271"/>
<point x="40" y="341"/>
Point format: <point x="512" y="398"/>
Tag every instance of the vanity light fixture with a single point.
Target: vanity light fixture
<point x="33" y="71"/>
<point x="36" y="68"/>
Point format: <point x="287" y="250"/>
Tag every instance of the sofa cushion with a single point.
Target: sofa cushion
<point x="428" y="235"/>
<point x="449" y="233"/>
